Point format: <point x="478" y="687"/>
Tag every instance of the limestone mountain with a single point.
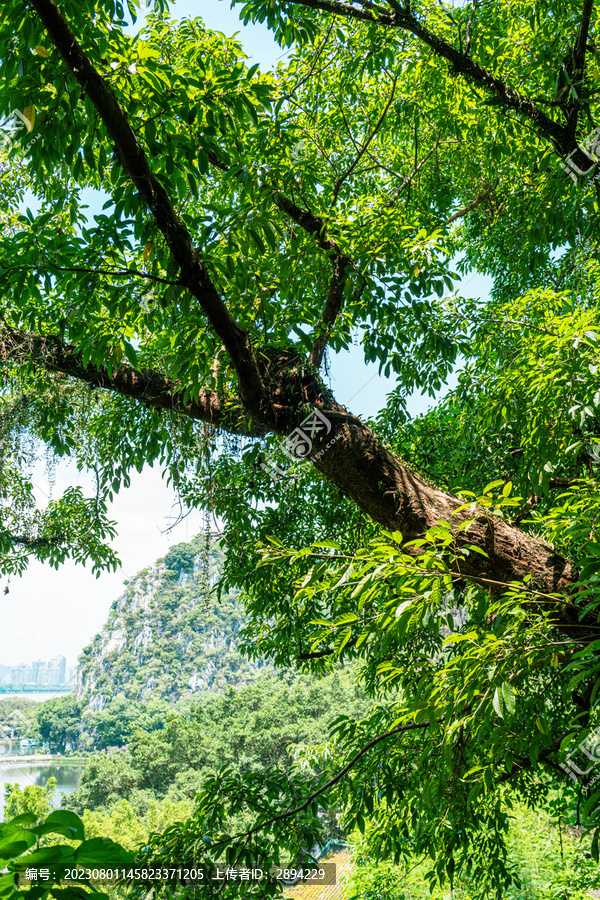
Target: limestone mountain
<point x="167" y="637"/>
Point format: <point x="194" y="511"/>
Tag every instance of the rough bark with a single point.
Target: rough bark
<point x="135" y="163"/>
<point x="148" y="387"/>
<point x="274" y="385"/>
<point x="352" y="457"/>
<point x="398" y="498"/>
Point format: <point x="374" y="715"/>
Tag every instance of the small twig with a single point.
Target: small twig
<point x="332" y="781"/>
<point x="460" y="213"/>
<point x="118" y="272"/>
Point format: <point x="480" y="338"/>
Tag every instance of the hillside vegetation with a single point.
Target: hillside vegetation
<point x="167" y="636"/>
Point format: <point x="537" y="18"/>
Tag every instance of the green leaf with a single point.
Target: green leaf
<point x="508" y="696"/>
<point x="69" y="820"/>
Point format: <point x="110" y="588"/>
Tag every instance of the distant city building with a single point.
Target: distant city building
<point x="39" y="672"/>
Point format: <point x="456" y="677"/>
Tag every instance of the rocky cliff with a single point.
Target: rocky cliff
<point x="166" y="636"/>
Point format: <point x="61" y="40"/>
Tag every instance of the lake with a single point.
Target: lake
<point x="67" y="777"/>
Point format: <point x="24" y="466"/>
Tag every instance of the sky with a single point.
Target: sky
<point x="49" y="612"/>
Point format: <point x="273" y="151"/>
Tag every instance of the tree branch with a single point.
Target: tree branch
<point x="96" y="271"/>
<point x="468" y="30"/>
<point x="560" y="136"/>
<point x="339" y="8"/>
<point x="365" y="144"/>
<point x="579" y="60"/>
<point x="408" y="180"/>
<point x="340" y="263"/>
<point x="332" y="781"/>
<point x="133" y="159"/>
<point x="471" y="206"/>
<point x="581" y="42"/>
<point x="148" y="387"/>
<point x="333" y="304"/>
<point x="315" y="226"/>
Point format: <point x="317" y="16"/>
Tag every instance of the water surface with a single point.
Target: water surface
<point x="25" y="773"/>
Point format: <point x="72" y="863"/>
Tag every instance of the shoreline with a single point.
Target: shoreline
<point x="16" y="761"/>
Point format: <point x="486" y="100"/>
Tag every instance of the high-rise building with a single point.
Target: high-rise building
<point x="59" y="663"/>
<point x="38" y="672"/>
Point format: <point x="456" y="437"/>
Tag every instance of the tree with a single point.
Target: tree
<point x="104" y="780"/>
<point x="59" y="721"/>
<point x="31" y="799"/>
<point x="253" y="222"/>
<point x="114" y="726"/>
<point x="181" y="558"/>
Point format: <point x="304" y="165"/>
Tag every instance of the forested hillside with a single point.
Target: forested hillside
<point x="167" y="636"/>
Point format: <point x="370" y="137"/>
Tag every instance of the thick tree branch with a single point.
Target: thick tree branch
<point x="148" y="387"/>
<point x="579" y="62"/>
<point x="351" y="456"/>
<point x="333" y="304"/>
<point x="133" y="159"/>
<point x="397" y="498"/>
<point x="340" y="264"/>
<point x="581" y="43"/>
<point x="348" y="10"/>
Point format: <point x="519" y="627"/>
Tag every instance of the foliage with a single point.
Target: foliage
<point x="251" y="729"/>
<point x="20" y="850"/>
<point x="526" y="402"/>
<point x="58" y="721"/>
<point x="181" y="558"/>
<point x="114" y="726"/>
<point x="32" y="799"/>
<point x="550" y="860"/>
<point x="11" y="705"/>
<point x="252" y="221"/>
<point x="131" y="829"/>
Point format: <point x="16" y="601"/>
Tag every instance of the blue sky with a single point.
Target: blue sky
<point x="48" y="612"/>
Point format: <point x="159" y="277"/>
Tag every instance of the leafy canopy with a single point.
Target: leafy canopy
<point x="336" y="199"/>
